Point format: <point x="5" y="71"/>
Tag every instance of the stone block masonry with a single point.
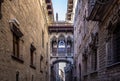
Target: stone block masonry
<point x="27" y="16"/>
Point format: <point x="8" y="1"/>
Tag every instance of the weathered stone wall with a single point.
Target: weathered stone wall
<point x="104" y="72"/>
<point x="32" y="22"/>
<point x="108" y="72"/>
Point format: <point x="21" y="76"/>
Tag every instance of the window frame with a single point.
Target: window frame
<point x="41" y="59"/>
<point x="16" y="36"/>
<point x="16" y="44"/>
<point x="93" y="47"/>
<point x="110" y="44"/>
<point x="32" y="56"/>
<point x="17" y="76"/>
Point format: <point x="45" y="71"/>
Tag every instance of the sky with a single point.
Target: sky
<point x="60" y="7"/>
<point x="62" y="65"/>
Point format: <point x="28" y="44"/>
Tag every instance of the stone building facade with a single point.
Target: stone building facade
<point x="97" y="40"/>
<point x="60" y="47"/>
<point x="23" y="40"/>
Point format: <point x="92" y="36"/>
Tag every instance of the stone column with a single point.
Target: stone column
<point x="57" y="47"/>
<point x="65" y="46"/>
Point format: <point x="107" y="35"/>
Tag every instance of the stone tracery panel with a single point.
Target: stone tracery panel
<point x="61" y="45"/>
<point x="69" y="46"/>
<point x="54" y="46"/>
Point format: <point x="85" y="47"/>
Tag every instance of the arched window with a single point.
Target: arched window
<point x="69" y="46"/>
<point x="61" y="45"/>
<point x="54" y="46"/>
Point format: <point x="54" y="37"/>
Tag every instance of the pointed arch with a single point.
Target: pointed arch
<point x="54" y="45"/>
<point x="61" y="37"/>
<point x="69" y="45"/>
<point x="61" y="45"/>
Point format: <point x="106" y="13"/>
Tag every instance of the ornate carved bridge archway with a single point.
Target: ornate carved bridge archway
<point x="61" y="42"/>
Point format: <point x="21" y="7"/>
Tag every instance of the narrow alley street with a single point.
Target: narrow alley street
<point x="59" y="40"/>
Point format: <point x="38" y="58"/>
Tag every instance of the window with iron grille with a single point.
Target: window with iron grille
<point x="94" y="60"/>
<point x="116" y="44"/>
<point x="113" y="44"/>
<point x="93" y="51"/>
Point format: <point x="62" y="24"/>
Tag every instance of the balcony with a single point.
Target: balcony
<point x="98" y="9"/>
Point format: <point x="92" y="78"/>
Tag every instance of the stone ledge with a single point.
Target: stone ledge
<point x="113" y="65"/>
<point x="94" y="73"/>
<point x="32" y="66"/>
<point x="17" y="59"/>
